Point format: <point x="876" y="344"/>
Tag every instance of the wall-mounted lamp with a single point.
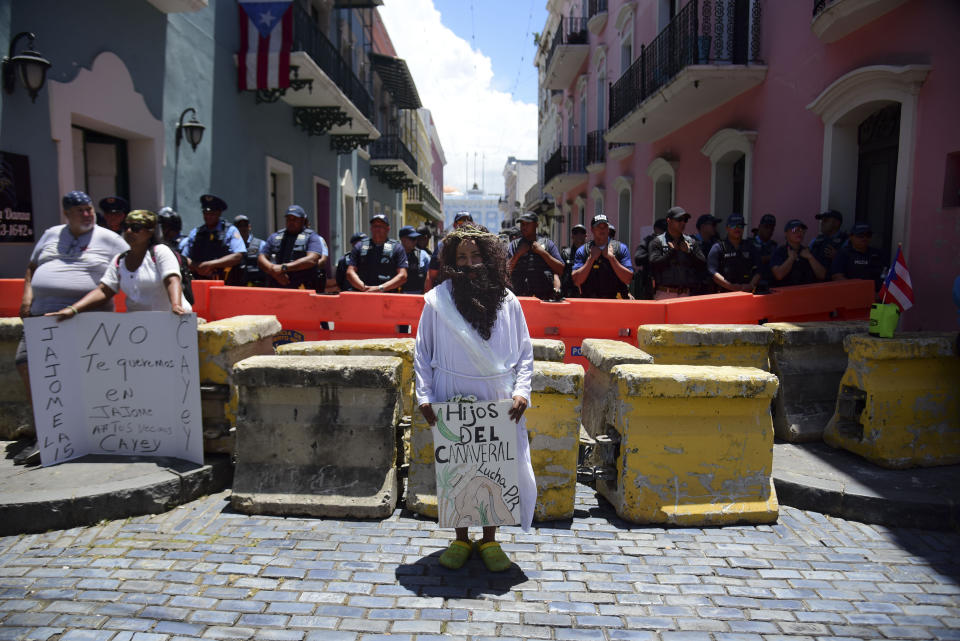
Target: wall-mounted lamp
<point x="193" y="132"/>
<point x="29" y="66"/>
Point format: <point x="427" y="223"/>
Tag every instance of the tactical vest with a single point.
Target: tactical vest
<point x="303" y="279"/>
<point x="800" y="274"/>
<point x="416" y="275"/>
<point x="249" y="269"/>
<point x="209" y="245"/>
<point x="736" y="265"/>
<point x="531" y="276"/>
<point x="602" y="281"/>
<point x="376" y="268"/>
<point x="569" y="290"/>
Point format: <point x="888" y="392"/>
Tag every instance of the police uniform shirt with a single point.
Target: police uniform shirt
<point x="800" y="274"/>
<point x="231" y="237"/>
<point x="396" y="260"/>
<point x="819" y="246"/>
<point x="853" y="264"/>
<point x="724" y="257"/>
<point x="601" y="265"/>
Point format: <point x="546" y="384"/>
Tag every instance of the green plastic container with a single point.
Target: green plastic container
<point x="883" y="319"/>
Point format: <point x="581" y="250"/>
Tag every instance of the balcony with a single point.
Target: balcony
<point x="568" y="51"/>
<point x="422" y="200"/>
<point x="598" y="16"/>
<point x="392" y="162"/>
<point x="834" y="19"/>
<point x="336" y="102"/>
<point x="596" y="151"/>
<point x="706" y="56"/>
<point x="179" y="6"/>
<point x="565" y="169"/>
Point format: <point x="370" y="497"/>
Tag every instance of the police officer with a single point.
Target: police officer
<point x="602" y="267"/>
<point x="707" y="232"/>
<point x="857" y="259"/>
<point x="793" y="263"/>
<point x="248" y="272"/>
<point x="418" y="260"/>
<point x="214" y="246"/>
<point x="460" y="219"/>
<point x="115" y="210"/>
<point x="641" y="287"/>
<point x="423" y="240"/>
<point x="170" y="228"/>
<point x="341" y="274"/>
<point x="764" y="245"/>
<point x="578" y="237"/>
<point x="532" y="262"/>
<point x="377" y="264"/>
<point x="830" y="239"/>
<point x="290" y="256"/>
<point x="676" y="259"/>
<point x="732" y="263"/>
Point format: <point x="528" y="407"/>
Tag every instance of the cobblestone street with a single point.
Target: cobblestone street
<point x="203" y="571"/>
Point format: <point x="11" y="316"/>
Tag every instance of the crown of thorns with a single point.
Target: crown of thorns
<point x="468" y="232"/>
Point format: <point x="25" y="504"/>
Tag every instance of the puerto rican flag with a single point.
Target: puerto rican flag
<point x="898" y="285"/>
<point x="266" y="33"/>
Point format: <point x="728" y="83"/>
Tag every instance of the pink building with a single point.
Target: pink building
<point x="761" y="106"/>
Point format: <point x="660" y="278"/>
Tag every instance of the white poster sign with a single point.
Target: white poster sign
<point x="122" y="384"/>
<point x="475" y="455"/>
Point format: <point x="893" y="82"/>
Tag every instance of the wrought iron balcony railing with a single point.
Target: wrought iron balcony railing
<point x="307" y="37"/>
<point x="703" y="32"/>
<point x="597" y="6"/>
<point x="596" y="147"/>
<point x="819" y="6"/>
<point x="566" y="159"/>
<point x="570" y="31"/>
<point x="391" y="147"/>
<point x="421" y="193"/>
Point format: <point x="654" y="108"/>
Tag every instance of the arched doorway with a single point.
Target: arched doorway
<point x="878" y="139"/>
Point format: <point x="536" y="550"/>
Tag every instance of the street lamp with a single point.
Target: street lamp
<point x="29" y="66"/>
<point x="193" y="132"/>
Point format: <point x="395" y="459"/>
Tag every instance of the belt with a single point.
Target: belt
<point x="674" y="290"/>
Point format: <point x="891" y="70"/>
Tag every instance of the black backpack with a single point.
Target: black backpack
<point x="185" y="277"/>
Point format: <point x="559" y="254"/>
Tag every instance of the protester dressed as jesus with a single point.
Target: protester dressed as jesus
<point x="473" y="341"/>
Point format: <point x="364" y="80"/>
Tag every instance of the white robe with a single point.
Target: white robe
<point x="452" y="359"/>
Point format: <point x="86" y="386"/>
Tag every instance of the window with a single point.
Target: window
<point x="663" y="174"/>
<point x="731" y="153"/>
<point x="597" y="195"/>
<point x="279" y="192"/>
<point x="348" y="214"/>
<point x="623" y="186"/>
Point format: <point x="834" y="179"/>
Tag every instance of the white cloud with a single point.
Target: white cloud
<point x="455" y="84"/>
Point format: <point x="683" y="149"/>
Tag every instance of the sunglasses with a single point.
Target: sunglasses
<point x="136" y="227"/>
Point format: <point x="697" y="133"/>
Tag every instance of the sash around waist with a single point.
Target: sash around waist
<point x="474" y="377"/>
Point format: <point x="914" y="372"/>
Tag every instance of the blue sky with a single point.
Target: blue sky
<point x="474" y="71"/>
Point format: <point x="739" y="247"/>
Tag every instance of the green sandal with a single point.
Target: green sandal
<point x="456" y="555"/>
<point x="493" y="557"/>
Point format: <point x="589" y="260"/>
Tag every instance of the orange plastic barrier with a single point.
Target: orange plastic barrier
<point x="355" y="315"/>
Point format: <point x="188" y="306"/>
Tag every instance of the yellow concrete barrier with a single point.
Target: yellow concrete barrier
<point x="599" y="387"/>
<point x="221" y="345"/>
<point x="696" y="445"/>
<point x="548" y="349"/>
<point x="809" y="360"/>
<point x="722" y="345"/>
<point x="401" y="348"/>
<point x="553" y="425"/>
<point x="16" y="413"/>
<point x="899" y="400"/>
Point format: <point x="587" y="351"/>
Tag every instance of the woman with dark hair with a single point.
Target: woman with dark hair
<point x="472" y="341"/>
<point x="148" y="273"/>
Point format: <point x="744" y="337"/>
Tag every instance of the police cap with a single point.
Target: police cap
<point x="114" y="204"/>
<point x="209" y="202"/>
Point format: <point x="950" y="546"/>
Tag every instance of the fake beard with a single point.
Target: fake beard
<point x="477" y="297"/>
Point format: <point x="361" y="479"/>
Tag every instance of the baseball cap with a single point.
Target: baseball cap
<point x="529" y="217"/>
<point x="768" y="219"/>
<point x="296" y="210"/>
<point x="423" y="230"/>
<point x="143" y="217"/>
<point x="408" y="231"/>
<point x="240" y="218"/>
<point x="793" y="223"/>
<point x="736" y="220"/>
<point x="75" y="199"/>
<point x="381" y="217"/>
<point x="599" y="218"/>
<point x="577" y="228"/>
<point x="356" y="238"/>
<point x="861" y="229"/>
<point x="462" y="215"/>
<point x="677" y="213"/>
<point x="830" y="213"/>
<point x="708" y="218"/>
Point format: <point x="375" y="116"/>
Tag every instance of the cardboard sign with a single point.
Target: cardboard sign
<point x="122" y="384"/>
<point x="475" y="456"/>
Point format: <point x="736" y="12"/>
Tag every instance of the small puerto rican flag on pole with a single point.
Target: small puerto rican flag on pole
<point x="266" y="34"/>
<point x="898" y="285"/>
